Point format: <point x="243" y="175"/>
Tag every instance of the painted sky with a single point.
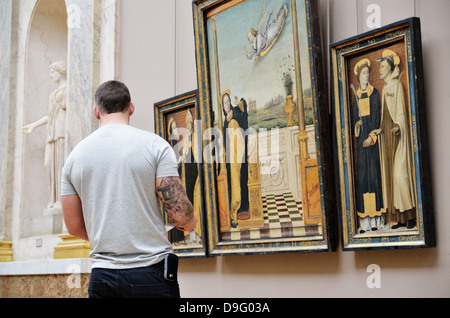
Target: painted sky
<point x="257" y="78"/>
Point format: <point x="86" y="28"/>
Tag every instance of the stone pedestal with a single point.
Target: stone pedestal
<point x="6" y="251"/>
<point x="71" y="247"/>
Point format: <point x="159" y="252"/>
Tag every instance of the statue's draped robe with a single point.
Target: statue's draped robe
<point x="55" y="147"/>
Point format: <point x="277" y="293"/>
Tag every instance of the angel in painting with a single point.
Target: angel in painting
<point x="264" y="37"/>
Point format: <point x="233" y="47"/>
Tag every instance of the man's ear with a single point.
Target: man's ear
<point x="96" y="112"/>
<point x="131" y="109"/>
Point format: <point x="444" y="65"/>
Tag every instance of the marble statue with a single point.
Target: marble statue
<point x="56" y="132"/>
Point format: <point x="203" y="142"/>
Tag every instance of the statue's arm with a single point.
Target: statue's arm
<point x="28" y="129"/>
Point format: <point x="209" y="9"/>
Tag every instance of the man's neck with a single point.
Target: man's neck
<point x="114" y="118"/>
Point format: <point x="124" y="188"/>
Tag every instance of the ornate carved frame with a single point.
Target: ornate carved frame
<point x="163" y="110"/>
<point x="322" y="166"/>
<point x="406" y="36"/>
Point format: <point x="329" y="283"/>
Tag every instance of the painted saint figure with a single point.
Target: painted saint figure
<point x="175" y="235"/>
<point x="365" y="120"/>
<point x="184" y="141"/>
<point x="235" y="142"/>
<point x="56" y="132"/>
<point x="191" y="176"/>
<point x="396" y="153"/>
<point x="264" y="37"/>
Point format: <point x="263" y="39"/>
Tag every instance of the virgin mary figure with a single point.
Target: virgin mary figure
<point x="236" y="145"/>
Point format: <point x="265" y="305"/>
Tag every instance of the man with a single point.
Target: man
<point x="110" y="188"/>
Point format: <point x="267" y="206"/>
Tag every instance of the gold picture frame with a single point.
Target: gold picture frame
<point x="381" y="136"/>
<point x="175" y="121"/>
<point x="267" y="163"/>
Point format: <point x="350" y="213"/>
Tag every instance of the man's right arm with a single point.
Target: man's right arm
<point x="176" y="203"/>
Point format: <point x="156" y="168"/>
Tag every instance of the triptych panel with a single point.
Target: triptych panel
<point x="255" y="144"/>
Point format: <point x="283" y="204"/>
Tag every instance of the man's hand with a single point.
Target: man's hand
<point x="176" y="203"/>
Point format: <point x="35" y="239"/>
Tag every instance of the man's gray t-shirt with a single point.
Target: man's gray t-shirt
<point x="113" y="172"/>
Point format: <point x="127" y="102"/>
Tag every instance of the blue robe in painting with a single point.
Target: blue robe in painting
<point x="368" y="168"/>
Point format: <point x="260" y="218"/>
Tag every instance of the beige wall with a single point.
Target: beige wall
<point x="157" y="61"/>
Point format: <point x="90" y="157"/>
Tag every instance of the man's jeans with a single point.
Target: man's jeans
<point x="144" y="282"/>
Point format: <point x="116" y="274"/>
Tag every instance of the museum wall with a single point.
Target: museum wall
<point x="156" y="59"/>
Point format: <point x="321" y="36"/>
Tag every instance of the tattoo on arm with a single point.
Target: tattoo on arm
<point x="175" y="202"/>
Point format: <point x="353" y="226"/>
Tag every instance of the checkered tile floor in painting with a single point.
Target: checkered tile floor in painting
<point x="282" y="218"/>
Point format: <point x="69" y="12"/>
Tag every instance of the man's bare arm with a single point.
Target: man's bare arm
<point x="73" y="216"/>
<point x="176" y="203"/>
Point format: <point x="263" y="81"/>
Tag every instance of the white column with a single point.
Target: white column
<point x="5" y="125"/>
<point x="83" y="63"/>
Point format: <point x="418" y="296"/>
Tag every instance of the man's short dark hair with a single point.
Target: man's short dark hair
<point x="112" y="97"/>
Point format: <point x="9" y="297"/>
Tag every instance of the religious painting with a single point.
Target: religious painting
<point x="380" y="118"/>
<point x="176" y="121"/>
<point x="264" y="112"/>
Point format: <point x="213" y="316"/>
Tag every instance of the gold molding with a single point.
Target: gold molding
<point x="6" y="252"/>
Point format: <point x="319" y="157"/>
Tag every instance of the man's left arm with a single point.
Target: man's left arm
<point x="73" y="216"/>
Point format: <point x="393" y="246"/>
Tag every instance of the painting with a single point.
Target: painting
<point x="382" y="151"/>
<point x="176" y="121"/>
<point x="263" y="106"/>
